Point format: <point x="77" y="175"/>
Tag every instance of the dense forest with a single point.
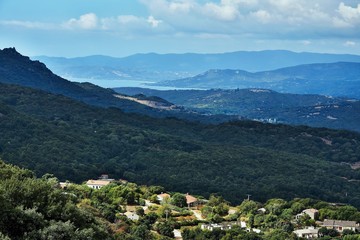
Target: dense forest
<point x="54" y="134"/>
<point x="38" y="208"/>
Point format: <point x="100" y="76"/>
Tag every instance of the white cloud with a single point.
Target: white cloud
<point x="265" y="19"/>
<point x="283" y="18"/>
<point x="262" y="16"/>
<point x="222" y="12"/>
<point x="349" y="13"/>
<point x="87" y="21"/>
<point x="348" y="16"/>
<point x="153" y="22"/>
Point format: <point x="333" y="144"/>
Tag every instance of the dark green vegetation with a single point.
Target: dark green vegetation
<point x="334" y="79"/>
<point x="34" y="208"/>
<point x="265" y="105"/>
<point x="157" y="67"/>
<point x="75" y="141"/>
<point x="37" y="208"/>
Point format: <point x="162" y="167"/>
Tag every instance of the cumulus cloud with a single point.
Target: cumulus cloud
<point x="270" y="19"/>
<point x="224" y="12"/>
<point x="291" y="18"/>
<point x="153" y="22"/>
<point x="349" y="16"/>
<point x="349" y="13"/>
<point x="87" y="21"/>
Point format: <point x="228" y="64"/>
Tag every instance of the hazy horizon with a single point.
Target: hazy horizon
<point x="75" y="28"/>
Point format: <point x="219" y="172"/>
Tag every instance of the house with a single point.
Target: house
<point x="163" y="196"/>
<point x="105" y="177"/>
<point x="132" y="216"/>
<point x="340" y="225"/>
<point x="97" y="184"/>
<point x="177" y="234"/>
<point x="191" y="201"/>
<point x="64" y="185"/>
<point x="222" y="226"/>
<point x="311" y="212"/>
<point x="308" y="233"/>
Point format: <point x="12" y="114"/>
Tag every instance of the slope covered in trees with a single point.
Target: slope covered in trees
<point x="39" y="208"/>
<point x="76" y="141"/>
<point x="34" y="208"/>
<point x="265" y="105"/>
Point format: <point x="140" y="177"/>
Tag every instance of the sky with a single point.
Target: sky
<point x="72" y="28"/>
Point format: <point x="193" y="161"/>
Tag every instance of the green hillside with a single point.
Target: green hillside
<point x="54" y="134"/>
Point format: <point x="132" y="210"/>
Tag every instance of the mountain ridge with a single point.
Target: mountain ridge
<point x="156" y="67"/>
<point x="340" y="79"/>
<point x="18" y="69"/>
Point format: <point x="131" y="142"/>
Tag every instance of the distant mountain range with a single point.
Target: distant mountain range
<point x="334" y="79"/>
<point x="18" y="69"/>
<point x="265" y="105"/>
<point x="157" y="67"/>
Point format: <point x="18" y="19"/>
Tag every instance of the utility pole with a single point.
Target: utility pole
<point x="166" y="214"/>
<point x="248" y="197"/>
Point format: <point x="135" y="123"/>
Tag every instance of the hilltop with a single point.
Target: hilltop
<point x="331" y="79"/>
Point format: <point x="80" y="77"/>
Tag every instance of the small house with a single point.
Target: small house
<point x="191" y="201"/>
<point x="339" y="225"/>
<point x="308" y="233"/>
<point x="97" y="184"/>
<point x="132" y="216"/>
<point x="162" y="197"/>
<point x="311" y="212"/>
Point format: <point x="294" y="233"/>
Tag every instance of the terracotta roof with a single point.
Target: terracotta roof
<point x="190" y="199"/>
<point x="164" y="195"/>
<point x="97" y="182"/>
<point x="340" y="223"/>
<point x="313" y="210"/>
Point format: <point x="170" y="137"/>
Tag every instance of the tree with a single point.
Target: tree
<point x="178" y="200"/>
<point x="248" y="206"/>
<point x="140" y="211"/>
<point x="141" y="232"/>
<point x="165" y="228"/>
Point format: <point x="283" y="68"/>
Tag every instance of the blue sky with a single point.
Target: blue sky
<point x="123" y="27"/>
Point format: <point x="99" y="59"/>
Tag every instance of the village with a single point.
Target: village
<point x="187" y="212"/>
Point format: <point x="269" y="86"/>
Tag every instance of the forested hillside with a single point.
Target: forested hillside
<point x="265" y="105"/>
<point x="34" y="208"/>
<point x="44" y="208"/>
<point x="76" y="141"/>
